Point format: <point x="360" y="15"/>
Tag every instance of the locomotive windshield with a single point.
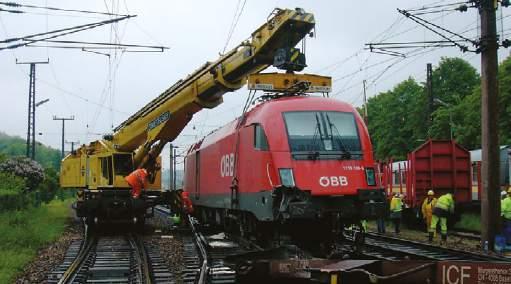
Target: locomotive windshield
<point x="322" y="134"/>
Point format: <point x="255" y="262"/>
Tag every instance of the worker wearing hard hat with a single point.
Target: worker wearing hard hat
<point x="505" y="212"/>
<point x="427" y="208"/>
<point x="396" y="206"/>
<point x="443" y="207"/>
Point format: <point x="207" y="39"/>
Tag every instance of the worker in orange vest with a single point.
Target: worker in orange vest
<point x="427" y="208"/>
<point x="186" y="202"/>
<point x="138" y="181"/>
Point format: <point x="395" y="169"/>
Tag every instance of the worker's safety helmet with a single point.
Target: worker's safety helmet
<point x="431" y="192"/>
<point x="504" y="193"/>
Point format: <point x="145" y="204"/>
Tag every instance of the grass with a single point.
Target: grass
<point x="469" y="221"/>
<point x="24" y="232"/>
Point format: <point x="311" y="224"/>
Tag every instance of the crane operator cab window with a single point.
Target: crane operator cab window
<point x="106" y="170"/>
<point x="123" y="164"/>
<point x="260" y="141"/>
<point x="323" y="135"/>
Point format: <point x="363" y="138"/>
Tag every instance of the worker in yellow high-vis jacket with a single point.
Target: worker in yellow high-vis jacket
<point x="427" y="208"/>
<point x="505" y="212"/>
<point x="443" y="208"/>
<point x="396" y="206"/>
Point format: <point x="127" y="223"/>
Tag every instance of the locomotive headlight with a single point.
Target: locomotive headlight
<point x="286" y="177"/>
<point x="370" y="177"/>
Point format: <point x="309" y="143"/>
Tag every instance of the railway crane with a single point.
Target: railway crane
<point x="98" y="170"/>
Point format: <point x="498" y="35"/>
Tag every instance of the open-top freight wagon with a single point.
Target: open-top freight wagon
<point x="440" y="165"/>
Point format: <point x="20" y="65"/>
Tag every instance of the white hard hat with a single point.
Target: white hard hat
<point x="431" y="192"/>
<point x="502" y="193"/>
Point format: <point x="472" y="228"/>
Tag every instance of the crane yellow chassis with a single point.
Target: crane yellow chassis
<point x="98" y="169"/>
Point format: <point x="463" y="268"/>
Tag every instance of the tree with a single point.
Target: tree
<point x="468" y="112"/>
<point x="505" y="101"/>
<point x="468" y="131"/>
<point x="453" y="81"/>
<point x="397" y="120"/>
<point x="12" y="146"/>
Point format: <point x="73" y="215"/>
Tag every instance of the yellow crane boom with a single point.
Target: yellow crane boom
<point x="138" y="141"/>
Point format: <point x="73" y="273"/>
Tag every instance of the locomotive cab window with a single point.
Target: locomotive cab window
<point x="322" y="135"/>
<point x="260" y="141"/>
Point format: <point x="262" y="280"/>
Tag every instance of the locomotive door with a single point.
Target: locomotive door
<point x="197" y="175"/>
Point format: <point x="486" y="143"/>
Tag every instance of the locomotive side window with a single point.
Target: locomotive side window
<point x="326" y="133"/>
<point x="260" y="141"/>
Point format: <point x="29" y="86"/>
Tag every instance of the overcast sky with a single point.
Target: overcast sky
<point x="103" y="91"/>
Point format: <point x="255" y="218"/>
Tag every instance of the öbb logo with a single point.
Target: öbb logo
<point x="333" y="181"/>
<point x="227" y="165"/>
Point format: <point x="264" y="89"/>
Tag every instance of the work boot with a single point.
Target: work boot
<point x="430" y="237"/>
<point x="444" y="239"/>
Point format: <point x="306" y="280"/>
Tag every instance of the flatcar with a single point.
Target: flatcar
<point x="300" y="164"/>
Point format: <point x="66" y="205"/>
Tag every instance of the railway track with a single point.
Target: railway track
<point x="207" y="257"/>
<point x="391" y="248"/>
<point x="465" y="234"/>
<point x="206" y="254"/>
<point x="111" y="259"/>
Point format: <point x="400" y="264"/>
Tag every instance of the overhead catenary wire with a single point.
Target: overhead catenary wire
<point x="26" y="40"/>
<point x="363" y="68"/>
<point x="87" y="44"/>
<point x="428" y="24"/>
<point x="14" y="4"/>
<point x="386" y="35"/>
<point x="234" y="23"/>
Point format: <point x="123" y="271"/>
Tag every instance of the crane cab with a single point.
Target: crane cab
<point x="103" y="193"/>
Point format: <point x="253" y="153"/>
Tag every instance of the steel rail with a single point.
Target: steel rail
<point x="199" y="241"/>
<point x="143" y="259"/>
<point x="73" y="270"/>
<point x="424" y="251"/>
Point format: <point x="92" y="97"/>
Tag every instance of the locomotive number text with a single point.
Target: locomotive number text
<point x="333" y="181"/>
<point x="227" y="165"/>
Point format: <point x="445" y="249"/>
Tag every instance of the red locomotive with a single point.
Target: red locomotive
<point x="303" y="164"/>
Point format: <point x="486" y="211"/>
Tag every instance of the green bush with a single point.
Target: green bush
<point x="10" y="184"/>
<point x="470" y="222"/>
<point x="11" y="193"/>
<point x="49" y="187"/>
<point x="31" y="171"/>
